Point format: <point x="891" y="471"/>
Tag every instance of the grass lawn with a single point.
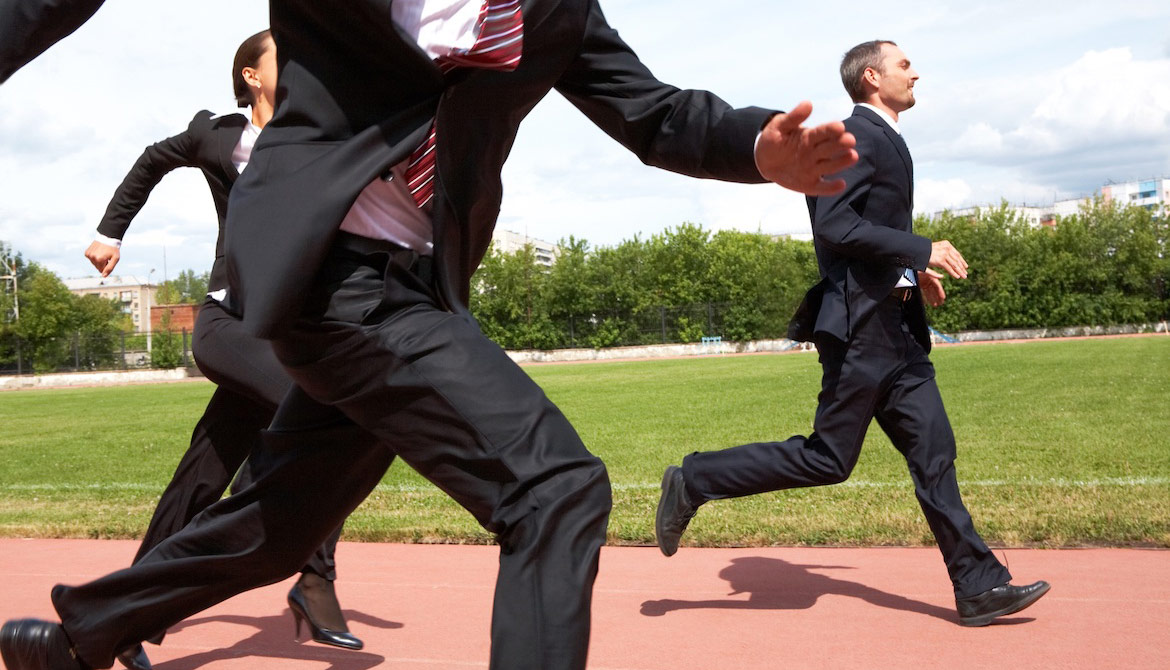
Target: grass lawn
<point x="1061" y="443"/>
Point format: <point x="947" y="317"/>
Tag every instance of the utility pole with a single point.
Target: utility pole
<point x="15" y="286"/>
<point x="15" y="307"/>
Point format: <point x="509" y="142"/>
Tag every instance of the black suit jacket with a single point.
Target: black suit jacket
<point x="864" y="237"/>
<point x="207" y="144"/>
<point x="28" y="27"/>
<point x="356" y="96"/>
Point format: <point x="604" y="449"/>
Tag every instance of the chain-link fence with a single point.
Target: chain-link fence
<point x="84" y="352"/>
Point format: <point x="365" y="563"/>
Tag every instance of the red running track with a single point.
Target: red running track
<point x="426" y="607"/>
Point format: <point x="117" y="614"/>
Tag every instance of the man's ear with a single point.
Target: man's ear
<point x="871" y="76"/>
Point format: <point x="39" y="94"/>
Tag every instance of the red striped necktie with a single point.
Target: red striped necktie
<point x="498" y="46"/>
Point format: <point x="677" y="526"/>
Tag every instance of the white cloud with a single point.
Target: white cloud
<point x="1056" y="133"/>
<point x="932" y="195"/>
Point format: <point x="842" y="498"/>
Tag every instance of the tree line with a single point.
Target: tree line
<point x="1106" y="265"/>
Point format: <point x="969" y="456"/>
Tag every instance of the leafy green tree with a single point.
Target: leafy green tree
<point x="758" y="281"/>
<point x="166" y="349"/>
<point x="1102" y="266"/>
<point x="568" y="296"/>
<point x="186" y="289"/>
<point x="46" y="319"/>
<point x="506" y="300"/>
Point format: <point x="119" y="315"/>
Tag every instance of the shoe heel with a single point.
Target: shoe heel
<point x="297" y="619"/>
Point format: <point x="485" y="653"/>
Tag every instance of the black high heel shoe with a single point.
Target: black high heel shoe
<point x="300" y="610"/>
<point x="134" y="658"/>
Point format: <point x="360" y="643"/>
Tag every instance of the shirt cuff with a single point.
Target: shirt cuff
<point x="756" y="153"/>
<point x="113" y="242"/>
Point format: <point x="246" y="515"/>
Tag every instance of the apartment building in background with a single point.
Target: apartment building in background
<point x="132" y="293"/>
<point x="1152" y="194"/>
<point x="507" y="241"/>
<point x="1147" y="193"/>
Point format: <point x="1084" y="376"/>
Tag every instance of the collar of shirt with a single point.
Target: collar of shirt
<point x="885" y="117"/>
<point x="439" y="26"/>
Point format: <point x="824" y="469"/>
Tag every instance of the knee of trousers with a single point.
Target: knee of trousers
<point x="837" y="474"/>
<point x="580" y="496"/>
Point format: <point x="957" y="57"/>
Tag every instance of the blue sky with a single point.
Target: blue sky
<point x="1028" y="101"/>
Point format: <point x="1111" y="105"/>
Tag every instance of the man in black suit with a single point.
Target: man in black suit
<point x="867" y="319"/>
<point x="352" y="250"/>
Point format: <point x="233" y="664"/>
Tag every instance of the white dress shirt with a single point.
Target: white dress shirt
<point x="243" y="151"/>
<point x="385" y="209"/>
<point x="909" y="276"/>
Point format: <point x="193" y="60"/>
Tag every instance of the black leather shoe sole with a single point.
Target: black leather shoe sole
<point x="1021" y="604"/>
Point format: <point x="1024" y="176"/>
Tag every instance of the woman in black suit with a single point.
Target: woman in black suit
<point x="251" y="382"/>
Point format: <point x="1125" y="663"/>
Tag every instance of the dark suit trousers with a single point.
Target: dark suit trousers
<point x="373" y="343"/>
<point x="882" y="373"/>
<point x="300" y="492"/>
<point x="251" y="383"/>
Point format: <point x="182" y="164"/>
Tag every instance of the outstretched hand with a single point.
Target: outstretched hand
<point x="799" y="158"/>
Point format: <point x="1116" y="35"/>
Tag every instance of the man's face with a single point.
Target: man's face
<point x="896" y="83"/>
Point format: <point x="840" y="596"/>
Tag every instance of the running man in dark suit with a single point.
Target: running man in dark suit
<point x="351" y="240"/>
<point x="867" y="319"/>
<point x="250" y="381"/>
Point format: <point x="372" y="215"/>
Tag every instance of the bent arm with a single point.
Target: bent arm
<point x="154" y="163"/>
<point x="839" y="225"/>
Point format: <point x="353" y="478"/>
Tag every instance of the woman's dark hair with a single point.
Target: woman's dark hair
<point x="248" y="55"/>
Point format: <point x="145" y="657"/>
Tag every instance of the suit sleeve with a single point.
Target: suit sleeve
<point x="155" y="162"/>
<point x="29" y="27"/>
<point x="838" y="224"/>
<point x="686" y="131"/>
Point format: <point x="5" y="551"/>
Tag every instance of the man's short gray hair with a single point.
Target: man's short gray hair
<point x="856" y="61"/>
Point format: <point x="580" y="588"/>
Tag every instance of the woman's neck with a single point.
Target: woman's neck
<point x="261" y="113"/>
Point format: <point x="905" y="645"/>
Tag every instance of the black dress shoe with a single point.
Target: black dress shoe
<point x="979" y="610"/>
<point x="675" y="511"/>
<point x="31" y="644"/>
<point x="299" y="604"/>
<point x="134" y="658"/>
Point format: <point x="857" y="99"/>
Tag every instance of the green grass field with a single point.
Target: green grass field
<point x="1062" y="443"/>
